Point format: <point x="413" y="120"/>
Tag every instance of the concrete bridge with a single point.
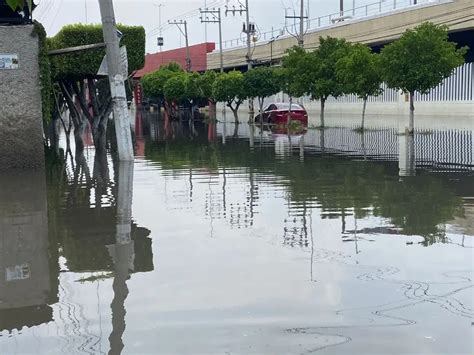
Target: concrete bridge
<point x="374" y="30"/>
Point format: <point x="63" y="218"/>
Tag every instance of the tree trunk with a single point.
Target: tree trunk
<point x="363" y="113"/>
<point x="236" y="115"/>
<point x="323" y="102"/>
<point x="260" y="102"/>
<point x="411" y="123"/>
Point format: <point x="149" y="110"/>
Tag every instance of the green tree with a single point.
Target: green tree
<point x="175" y="92"/>
<point x="193" y="90"/>
<point x="419" y="61"/>
<point x="360" y="72"/>
<point x="153" y="83"/>
<point x="261" y="83"/>
<point x="206" y="81"/>
<point x="324" y="81"/>
<point x="296" y="75"/>
<point x="229" y="88"/>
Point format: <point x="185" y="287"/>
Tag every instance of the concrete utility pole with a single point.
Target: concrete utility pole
<point x="216" y="18"/>
<point x="116" y="80"/>
<point x="185" y="34"/>
<point x="249" y="30"/>
<point x="300" y="35"/>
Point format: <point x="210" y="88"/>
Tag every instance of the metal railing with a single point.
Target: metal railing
<point x="373" y="9"/>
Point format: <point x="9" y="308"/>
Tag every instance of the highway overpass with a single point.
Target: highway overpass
<point x="374" y="30"/>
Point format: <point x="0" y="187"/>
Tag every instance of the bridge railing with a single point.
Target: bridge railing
<point x="373" y="9"/>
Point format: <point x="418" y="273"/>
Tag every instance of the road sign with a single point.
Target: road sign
<point x="104" y="70"/>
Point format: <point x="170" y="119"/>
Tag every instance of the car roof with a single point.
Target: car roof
<point x="286" y="105"/>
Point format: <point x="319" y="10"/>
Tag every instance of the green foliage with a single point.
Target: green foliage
<point x="175" y="88"/>
<point x="19" y="4"/>
<point x="153" y="83"/>
<point x="229" y="88"/>
<point x="297" y="73"/>
<point x="193" y="91"/>
<point x="172" y="66"/>
<point x="44" y="73"/>
<point x="360" y="72"/>
<point x="80" y="65"/>
<point x="322" y="68"/>
<point x="206" y="81"/>
<point x="420" y="59"/>
<point x="261" y="82"/>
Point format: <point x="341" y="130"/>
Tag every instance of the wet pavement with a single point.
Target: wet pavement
<point x="224" y="239"/>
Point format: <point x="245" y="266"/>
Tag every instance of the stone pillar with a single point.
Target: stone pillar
<point x="21" y="131"/>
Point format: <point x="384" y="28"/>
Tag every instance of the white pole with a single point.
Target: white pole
<point x="116" y="80"/>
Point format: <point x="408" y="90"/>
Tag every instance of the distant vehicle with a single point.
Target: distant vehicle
<point x="277" y="113"/>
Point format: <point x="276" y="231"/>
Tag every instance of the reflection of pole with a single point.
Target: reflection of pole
<point x="355" y="232"/>
<point x="302" y="148"/>
<point x="321" y="140"/>
<point x="122" y="253"/>
<point x="224" y="185"/>
<point x="224" y="129"/>
<point x="406" y="155"/>
<point x="312" y="242"/>
<point x="251" y="135"/>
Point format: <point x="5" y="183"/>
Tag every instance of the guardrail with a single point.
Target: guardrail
<point x="376" y="8"/>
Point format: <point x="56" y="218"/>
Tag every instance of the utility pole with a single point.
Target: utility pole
<point x="341" y="8"/>
<point x="205" y="24"/>
<point x="160" y="44"/>
<point x="116" y="80"/>
<point x="216" y="18"/>
<point x="249" y="30"/>
<point x="300" y="35"/>
<point x="185" y="34"/>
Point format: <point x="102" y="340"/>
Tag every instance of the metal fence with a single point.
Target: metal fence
<point x="458" y="87"/>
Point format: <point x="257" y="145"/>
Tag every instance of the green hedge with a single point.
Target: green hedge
<point x="85" y="64"/>
<point x="44" y="72"/>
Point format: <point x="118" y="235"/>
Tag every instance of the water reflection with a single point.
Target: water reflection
<point x="28" y="261"/>
<point x="311" y="240"/>
<point x="337" y="185"/>
<point x="406" y="151"/>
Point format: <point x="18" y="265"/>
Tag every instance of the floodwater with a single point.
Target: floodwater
<point x="224" y="239"/>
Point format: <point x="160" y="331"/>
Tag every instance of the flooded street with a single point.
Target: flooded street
<point x="224" y="239"/>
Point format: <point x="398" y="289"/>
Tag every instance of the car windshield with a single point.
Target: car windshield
<point x="286" y="106"/>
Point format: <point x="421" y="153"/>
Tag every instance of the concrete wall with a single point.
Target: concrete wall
<point x="21" y="133"/>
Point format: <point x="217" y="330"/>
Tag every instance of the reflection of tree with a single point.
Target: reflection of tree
<point x="335" y="183"/>
<point x="92" y="221"/>
<point x="82" y="215"/>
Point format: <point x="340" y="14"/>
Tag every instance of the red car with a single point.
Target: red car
<point x="277" y="113"/>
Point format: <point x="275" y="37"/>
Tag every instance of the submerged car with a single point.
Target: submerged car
<point x="277" y="113"/>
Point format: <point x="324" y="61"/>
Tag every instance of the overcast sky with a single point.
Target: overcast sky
<point x="265" y="13"/>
